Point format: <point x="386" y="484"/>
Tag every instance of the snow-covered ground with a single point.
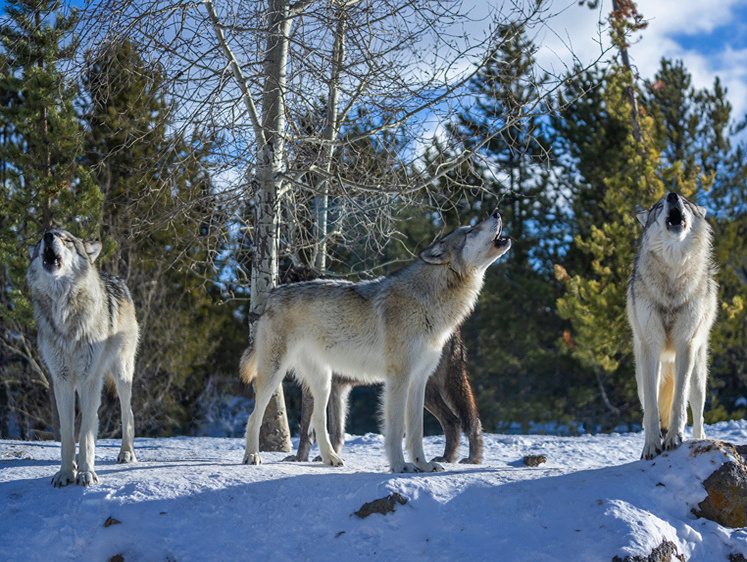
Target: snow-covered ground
<point x="192" y="499"/>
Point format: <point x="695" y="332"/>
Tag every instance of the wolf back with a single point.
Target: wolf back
<point x="389" y="330"/>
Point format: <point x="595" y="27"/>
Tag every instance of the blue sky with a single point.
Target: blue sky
<point x="710" y="37"/>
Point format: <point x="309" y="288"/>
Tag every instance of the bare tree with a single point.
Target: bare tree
<point x="261" y="71"/>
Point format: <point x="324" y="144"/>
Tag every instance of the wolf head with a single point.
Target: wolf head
<point x="469" y="248"/>
<point x="672" y="225"/>
<point x="60" y="255"/>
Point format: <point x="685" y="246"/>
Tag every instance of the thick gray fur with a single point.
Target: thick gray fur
<point x="672" y="305"/>
<point x="86" y="330"/>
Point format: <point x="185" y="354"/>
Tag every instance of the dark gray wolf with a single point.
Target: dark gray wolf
<point x="86" y="330"/>
<point x="389" y="330"/>
<point x="671" y="307"/>
<point x="448" y="396"/>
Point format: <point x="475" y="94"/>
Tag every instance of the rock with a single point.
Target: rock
<point x="382" y="505"/>
<point x="534" y="460"/>
<point x="111" y="521"/>
<point x="665" y="552"/>
<point x="726" y="503"/>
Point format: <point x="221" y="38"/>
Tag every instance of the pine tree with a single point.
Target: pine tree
<point x="43" y="182"/>
<point x="512" y="335"/>
<point x="158" y="216"/>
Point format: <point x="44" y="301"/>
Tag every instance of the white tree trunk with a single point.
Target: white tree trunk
<point x="275" y="434"/>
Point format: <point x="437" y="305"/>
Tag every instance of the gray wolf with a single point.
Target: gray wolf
<point x="389" y="330"/>
<point x="448" y="396"/>
<point x="671" y="306"/>
<point x="86" y="329"/>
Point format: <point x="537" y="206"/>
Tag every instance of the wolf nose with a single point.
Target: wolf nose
<point x="496" y="214"/>
<point x="48" y="238"/>
<point x="672" y="198"/>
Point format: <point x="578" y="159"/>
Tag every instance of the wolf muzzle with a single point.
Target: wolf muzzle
<point x="50" y="259"/>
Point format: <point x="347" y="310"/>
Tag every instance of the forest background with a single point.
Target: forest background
<point x="102" y="139"/>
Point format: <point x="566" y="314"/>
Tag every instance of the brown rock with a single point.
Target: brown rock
<point x="534" y="460"/>
<point x="726" y="503"/>
<point x="383" y="505"/>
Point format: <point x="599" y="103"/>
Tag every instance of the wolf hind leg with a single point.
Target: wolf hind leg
<point x="666" y="394"/>
<point x="337" y="412"/>
<point x="306" y="437"/>
<point x="683" y="373"/>
<point x="319" y="381"/>
<point x="449" y="421"/>
<point x="268" y="380"/>
<point x="122" y="373"/>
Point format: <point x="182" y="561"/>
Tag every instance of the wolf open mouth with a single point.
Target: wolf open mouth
<point x="498" y="241"/>
<point x="50" y="259"/>
<point x="675" y="219"/>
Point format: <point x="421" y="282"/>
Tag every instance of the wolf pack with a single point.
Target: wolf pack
<point x="401" y="330"/>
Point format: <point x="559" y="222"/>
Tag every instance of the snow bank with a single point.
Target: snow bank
<point x="191" y="499"/>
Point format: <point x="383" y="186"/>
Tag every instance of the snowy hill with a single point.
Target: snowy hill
<point x="191" y="499"/>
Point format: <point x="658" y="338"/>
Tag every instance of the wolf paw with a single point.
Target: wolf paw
<point x="290" y="458"/>
<point x="471" y="460"/>
<point x="672" y="441"/>
<point x="63" y="478"/>
<point x="444" y="459"/>
<point x="651" y="450"/>
<point x="126" y="457"/>
<point x="86" y="478"/>
<point x="252" y="458"/>
<point x="430" y="467"/>
<point x="333" y="460"/>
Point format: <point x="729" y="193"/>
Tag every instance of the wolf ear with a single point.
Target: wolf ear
<point x="93" y="249"/>
<point x="642" y="215"/>
<point x="435" y="254"/>
<point x="702" y="211"/>
<point x="33" y="250"/>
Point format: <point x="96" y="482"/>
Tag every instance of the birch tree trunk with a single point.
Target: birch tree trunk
<point x="275" y="434"/>
<point x="331" y="131"/>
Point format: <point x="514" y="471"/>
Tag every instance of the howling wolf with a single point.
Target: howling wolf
<point x="389" y="330"/>
<point x="671" y="308"/>
<point x="86" y="330"/>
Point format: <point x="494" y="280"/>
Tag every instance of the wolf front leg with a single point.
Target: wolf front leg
<point x="683" y="370"/>
<point x="89" y="393"/>
<point x="395" y="403"/>
<point x="648" y="373"/>
<point x="414" y="420"/>
<point x="65" y="396"/>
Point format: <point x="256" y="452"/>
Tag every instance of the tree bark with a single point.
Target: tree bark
<point x="275" y="434"/>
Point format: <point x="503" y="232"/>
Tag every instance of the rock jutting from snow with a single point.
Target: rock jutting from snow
<point x="534" y="460"/>
<point x="665" y="552"/>
<point x="382" y="505"/>
<point x="726" y="503"/>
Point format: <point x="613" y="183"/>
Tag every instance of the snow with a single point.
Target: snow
<point x="190" y="498"/>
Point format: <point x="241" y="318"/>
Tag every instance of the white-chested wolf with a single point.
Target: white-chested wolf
<point x="389" y="330"/>
<point x="672" y="299"/>
<point x="86" y="329"/>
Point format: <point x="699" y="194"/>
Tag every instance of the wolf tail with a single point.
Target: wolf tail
<point x="248" y="366"/>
